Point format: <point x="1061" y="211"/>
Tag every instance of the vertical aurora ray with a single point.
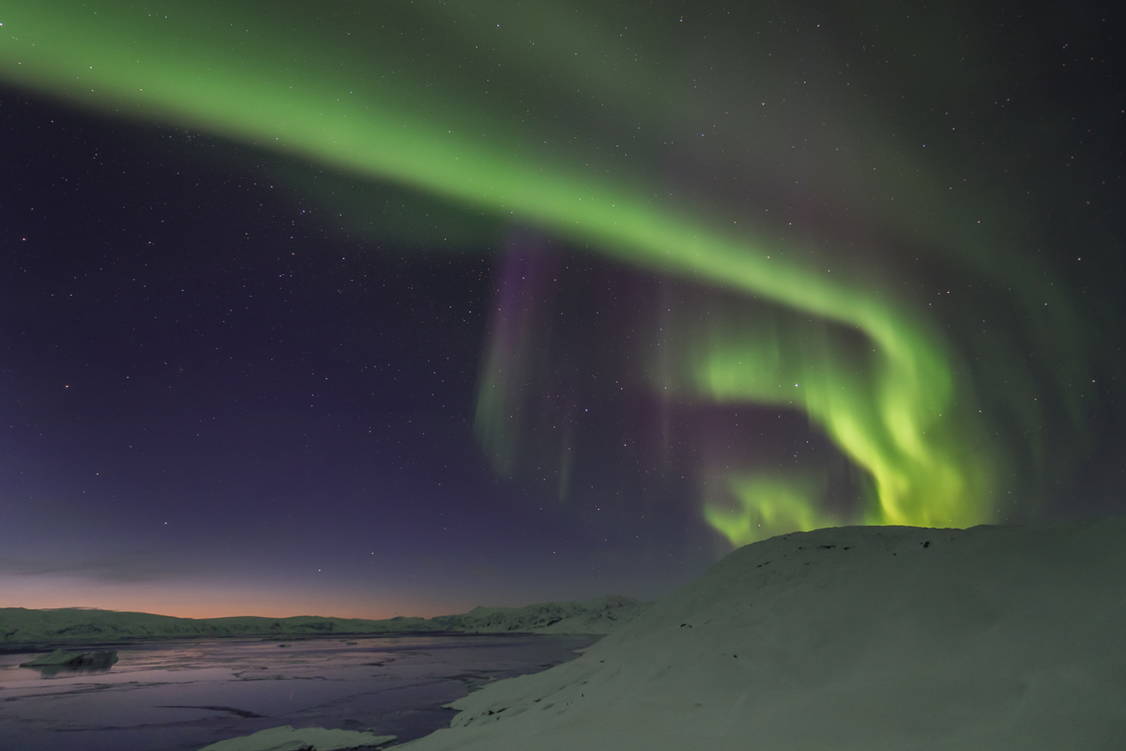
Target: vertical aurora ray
<point x="905" y="414"/>
<point x="510" y="364"/>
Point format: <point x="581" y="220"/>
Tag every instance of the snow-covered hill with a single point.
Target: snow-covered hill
<point x="872" y="639"/>
<point x="600" y="616"/>
<point x="20" y="626"/>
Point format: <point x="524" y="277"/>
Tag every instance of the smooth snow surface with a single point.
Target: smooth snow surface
<point x="286" y="738"/>
<point x="851" y="639"/>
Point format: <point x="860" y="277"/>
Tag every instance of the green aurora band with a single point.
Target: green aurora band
<point x="901" y="412"/>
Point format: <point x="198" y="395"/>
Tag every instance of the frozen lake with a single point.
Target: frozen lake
<point x="181" y="695"/>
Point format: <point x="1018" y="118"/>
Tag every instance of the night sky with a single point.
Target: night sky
<point x="374" y="309"/>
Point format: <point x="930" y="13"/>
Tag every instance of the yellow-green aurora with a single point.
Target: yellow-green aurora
<point x="338" y="94"/>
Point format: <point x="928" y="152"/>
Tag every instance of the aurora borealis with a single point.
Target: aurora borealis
<point x="816" y="267"/>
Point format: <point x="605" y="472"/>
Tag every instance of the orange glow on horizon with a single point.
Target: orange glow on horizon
<point x="196" y="600"/>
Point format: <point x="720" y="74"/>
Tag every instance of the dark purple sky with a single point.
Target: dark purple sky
<point x="216" y="402"/>
<point x="234" y="382"/>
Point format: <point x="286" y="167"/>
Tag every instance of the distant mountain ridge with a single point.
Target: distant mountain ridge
<point x="598" y="616"/>
<point x="19" y="626"/>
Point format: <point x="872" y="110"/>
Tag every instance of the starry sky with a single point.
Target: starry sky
<point x="395" y="309"/>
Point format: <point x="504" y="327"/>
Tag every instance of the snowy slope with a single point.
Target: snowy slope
<point x="865" y="639"/>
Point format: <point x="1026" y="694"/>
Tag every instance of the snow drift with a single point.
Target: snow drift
<point x="288" y="738"/>
<point x="858" y="638"/>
